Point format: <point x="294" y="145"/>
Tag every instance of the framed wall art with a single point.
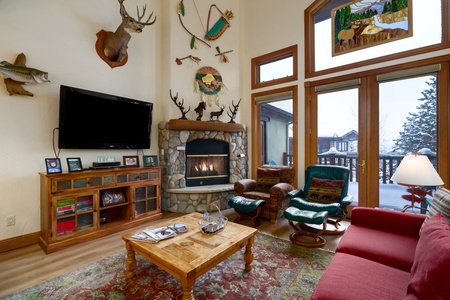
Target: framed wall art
<point x="131" y="161"/>
<point x="53" y="165"/>
<point x="366" y="23"/>
<point x="150" y="160"/>
<point x="74" y="164"/>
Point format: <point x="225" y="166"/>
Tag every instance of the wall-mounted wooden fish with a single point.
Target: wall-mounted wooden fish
<point x="17" y="74"/>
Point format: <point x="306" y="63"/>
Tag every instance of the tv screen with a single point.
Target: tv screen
<point x="93" y="120"/>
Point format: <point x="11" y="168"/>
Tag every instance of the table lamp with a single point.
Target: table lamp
<point x="416" y="171"/>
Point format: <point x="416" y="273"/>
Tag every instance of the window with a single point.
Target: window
<point x="274" y="129"/>
<point x="401" y="109"/>
<point x="275" y="68"/>
<point x="430" y="32"/>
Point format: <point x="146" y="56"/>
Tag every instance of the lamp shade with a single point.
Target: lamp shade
<point x="417" y="170"/>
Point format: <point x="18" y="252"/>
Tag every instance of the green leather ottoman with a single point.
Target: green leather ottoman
<point x="293" y="214"/>
<point x="247" y="208"/>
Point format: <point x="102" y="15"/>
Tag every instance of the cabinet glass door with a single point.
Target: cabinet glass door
<point x="74" y="214"/>
<point x="145" y="199"/>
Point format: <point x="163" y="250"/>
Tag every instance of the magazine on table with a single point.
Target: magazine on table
<point x="154" y="235"/>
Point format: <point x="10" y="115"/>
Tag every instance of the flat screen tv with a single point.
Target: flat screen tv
<point x="93" y="120"/>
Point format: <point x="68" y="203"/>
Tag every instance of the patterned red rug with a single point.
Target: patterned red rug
<point x="281" y="270"/>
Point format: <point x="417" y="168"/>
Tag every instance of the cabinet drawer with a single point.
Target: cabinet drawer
<point x="68" y="184"/>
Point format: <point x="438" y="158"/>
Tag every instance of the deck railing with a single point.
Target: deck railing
<point x="387" y="164"/>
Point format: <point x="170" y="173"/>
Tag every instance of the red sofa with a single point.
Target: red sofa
<point x="382" y="256"/>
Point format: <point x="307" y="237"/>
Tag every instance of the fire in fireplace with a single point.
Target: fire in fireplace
<point x="207" y="162"/>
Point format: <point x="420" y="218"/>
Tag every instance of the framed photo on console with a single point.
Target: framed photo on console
<point x="150" y="160"/>
<point x="53" y="165"/>
<point x="131" y="161"/>
<point x="74" y="164"/>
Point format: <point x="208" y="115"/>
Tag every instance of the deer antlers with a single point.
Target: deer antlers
<point x="233" y="111"/>
<point x="125" y="14"/>
<point x="112" y="46"/>
<point x="180" y="105"/>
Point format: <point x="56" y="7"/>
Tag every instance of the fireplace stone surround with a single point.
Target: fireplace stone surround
<point x="172" y="139"/>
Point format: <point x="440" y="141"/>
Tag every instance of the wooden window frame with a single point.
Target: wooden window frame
<point x="256" y="62"/>
<point x="316" y="6"/>
<point x="369" y="90"/>
<point x="256" y="134"/>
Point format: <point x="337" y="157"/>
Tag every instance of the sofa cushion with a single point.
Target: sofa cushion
<point x="350" y="277"/>
<point x="266" y="178"/>
<point x="430" y="274"/>
<point x="325" y="190"/>
<point x="388" y="248"/>
<point x="441" y="203"/>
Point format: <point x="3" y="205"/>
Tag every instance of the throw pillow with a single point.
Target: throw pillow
<point x="325" y="190"/>
<point x="441" y="203"/>
<point x="430" y="274"/>
<point x="266" y="178"/>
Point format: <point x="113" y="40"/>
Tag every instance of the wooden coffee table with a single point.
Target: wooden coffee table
<point x="189" y="255"/>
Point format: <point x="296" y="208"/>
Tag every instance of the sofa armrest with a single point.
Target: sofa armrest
<point x="282" y="189"/>
<point x="244" y="185"/>
<point x="387" y="220"/>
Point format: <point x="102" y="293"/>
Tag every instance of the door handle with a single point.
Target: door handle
<point x="363" y="166"/>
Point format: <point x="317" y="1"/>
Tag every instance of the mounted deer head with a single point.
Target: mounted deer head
<point x="113" y="46"/>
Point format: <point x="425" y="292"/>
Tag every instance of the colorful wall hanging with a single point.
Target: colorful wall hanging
<point x="208" y="82"/>
<point x="181" y="13"/>
<point x="366" y="23"/>
<point x="220" y="26"/>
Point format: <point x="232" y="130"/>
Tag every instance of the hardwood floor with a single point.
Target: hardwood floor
<point x="28" y="266"/>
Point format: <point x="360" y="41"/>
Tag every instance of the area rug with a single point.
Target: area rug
<point x="281" y="270"/>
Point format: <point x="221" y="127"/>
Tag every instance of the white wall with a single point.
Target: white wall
<point x="271" y="26"/>
<point x="59" y="37"/>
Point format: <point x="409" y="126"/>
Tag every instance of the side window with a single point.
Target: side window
<point x="275" y="67"/>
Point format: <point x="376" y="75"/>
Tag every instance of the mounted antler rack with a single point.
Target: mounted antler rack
<point x="233" y="111"/>
<point x="180" y="106"/>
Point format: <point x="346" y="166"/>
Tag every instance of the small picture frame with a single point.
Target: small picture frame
<point x="150" y="160"/>
<point x="131" y="161"/>
<point x="53" y="165"/>
<point x="74" y="164"/>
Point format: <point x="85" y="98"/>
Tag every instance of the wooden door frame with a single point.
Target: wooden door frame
<point x="256" y="134"/>
<point x="369" y="110"/>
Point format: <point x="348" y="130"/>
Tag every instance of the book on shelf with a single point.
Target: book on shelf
<point x="65" y="207"/>
<point x="154" y="235"/>
<point x="84" y="203"/>
<point x="65" y="226"/>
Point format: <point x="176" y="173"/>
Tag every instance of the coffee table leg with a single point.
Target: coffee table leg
<point x="188" y="288"/>
<point x="130" y="263"/>
<point x="248" y="255"/>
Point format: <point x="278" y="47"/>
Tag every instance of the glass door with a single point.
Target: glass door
<point x="407" y="124"/>
<point x="337" y="133"/>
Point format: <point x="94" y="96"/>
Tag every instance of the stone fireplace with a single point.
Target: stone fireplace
<point x="200" y="163"/>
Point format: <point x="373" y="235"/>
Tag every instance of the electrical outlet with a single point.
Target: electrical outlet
<point x="11" y="220"/>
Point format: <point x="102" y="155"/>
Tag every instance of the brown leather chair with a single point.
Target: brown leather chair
<point x="272" y="184"/>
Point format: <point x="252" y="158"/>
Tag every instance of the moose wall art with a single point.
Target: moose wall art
<point x="112" y="46"/>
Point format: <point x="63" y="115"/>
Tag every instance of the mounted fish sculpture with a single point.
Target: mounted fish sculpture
<point x="17" y="74"/>
<point x="112" y="46"/>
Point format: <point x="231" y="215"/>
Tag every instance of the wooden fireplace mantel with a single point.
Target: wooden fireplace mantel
<point x="177" y="124"/>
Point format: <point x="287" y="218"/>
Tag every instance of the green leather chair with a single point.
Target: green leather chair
<point x="321" y="194"/>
